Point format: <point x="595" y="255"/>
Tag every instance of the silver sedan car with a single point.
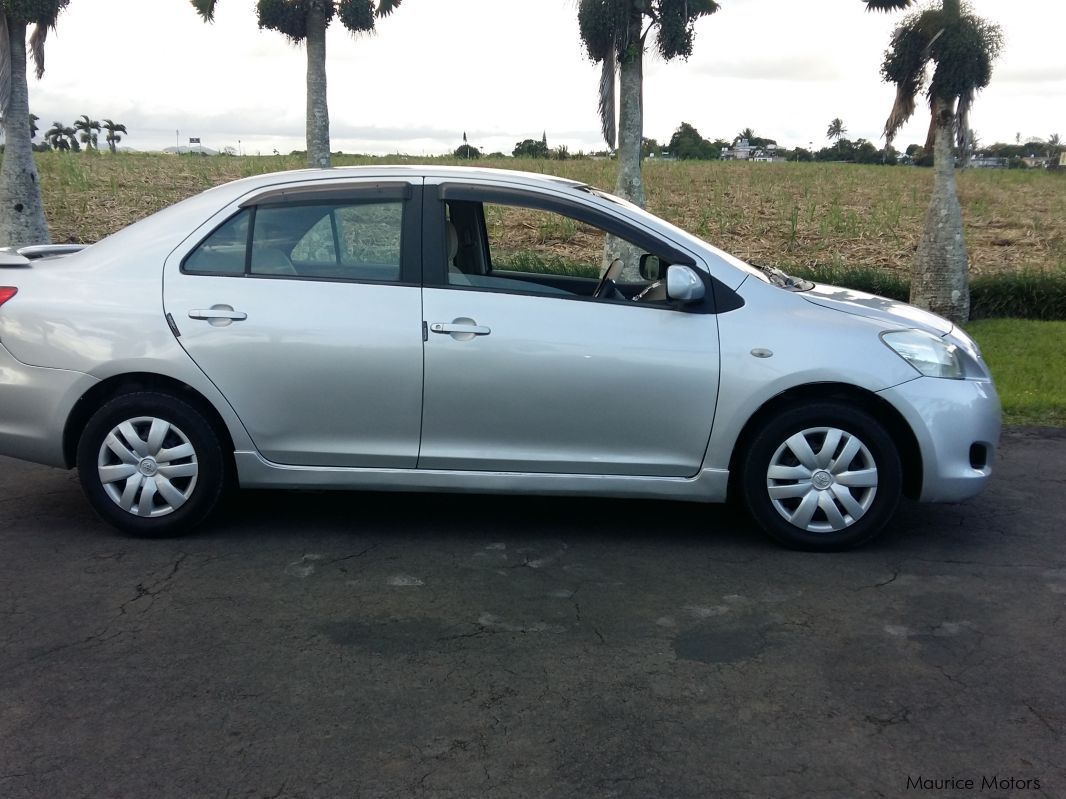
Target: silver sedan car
<point x="474" y="330"/>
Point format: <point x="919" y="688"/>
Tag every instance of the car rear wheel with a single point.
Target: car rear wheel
<point x="822" y="477"/>
<point x="150" y="464"/>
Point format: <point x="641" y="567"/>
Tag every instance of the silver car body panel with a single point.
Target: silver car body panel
<point x="34" y="405"/>
<point x="891" y="312"/>
<point x="779" y="341"/>
<point x="948" y="417"/>
<point x="321" y="373"/>
<point x="564" y="385"/>
<point x="99" y="313"/>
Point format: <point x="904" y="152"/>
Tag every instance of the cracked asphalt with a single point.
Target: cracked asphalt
<point x="353" y="645"/>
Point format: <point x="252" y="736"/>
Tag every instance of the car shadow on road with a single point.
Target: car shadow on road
<point x="916" y="530"/>
<point x="277" y="513"/>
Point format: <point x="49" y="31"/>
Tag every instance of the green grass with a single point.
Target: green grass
<point x="1026" y="358"/>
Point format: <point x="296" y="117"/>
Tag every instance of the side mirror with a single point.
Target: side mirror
<point x="651" y="268"/>
<point x="683" y="284"/>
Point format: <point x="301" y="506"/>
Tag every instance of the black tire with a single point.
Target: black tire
<point x="185" y="428"/>
<point x="867" y="509"/>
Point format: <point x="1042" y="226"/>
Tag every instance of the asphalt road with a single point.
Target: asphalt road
<point x="350" y="645"/>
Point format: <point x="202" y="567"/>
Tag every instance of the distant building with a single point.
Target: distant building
<point x="988" y="162"/>
<point x="743" y="151"/>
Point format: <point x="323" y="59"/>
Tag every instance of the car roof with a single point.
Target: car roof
<point x="405" y="171"/>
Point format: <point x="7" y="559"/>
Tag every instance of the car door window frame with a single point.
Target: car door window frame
<point x="411" y="246"/>
<point x="435" y="239"/>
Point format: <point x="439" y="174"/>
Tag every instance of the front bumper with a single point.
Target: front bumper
<point x="957" y="424"/>
<point x="35" y="404"/>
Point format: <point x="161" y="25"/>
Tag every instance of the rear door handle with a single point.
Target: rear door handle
<point x="219" y="315"/>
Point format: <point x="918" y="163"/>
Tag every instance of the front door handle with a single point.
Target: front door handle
<point x="219" y="315"/>
<point x="474" y="330"/>
<point x="461" y="329"/>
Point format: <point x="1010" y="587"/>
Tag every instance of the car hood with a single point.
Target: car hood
<point x="879" y="308"/>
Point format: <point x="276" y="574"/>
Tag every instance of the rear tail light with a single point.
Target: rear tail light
<point x="6" y="293"/>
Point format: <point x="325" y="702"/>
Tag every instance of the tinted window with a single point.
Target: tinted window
<point x="337" y="241"/>
<point x="223" y="251"/>
<point x="354" y="241"/>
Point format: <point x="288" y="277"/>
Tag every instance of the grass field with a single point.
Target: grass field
<point x="1026" y="359"/>
<point x="811" y="215"/>
<point x="785" y="214"/>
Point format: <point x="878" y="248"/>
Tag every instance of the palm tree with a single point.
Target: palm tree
<point x="56" y="137"/>
<point x="306" y="20"/>
<point x="88" y="131"/>
<point x="1054" y="145"/>
<point x="960" y="47"/>
<point x="22" y="219"/>
<point x="836" y="130"/>
<point x="113" y="130"/>
<point x="62" y="137"/>
<point x="614" y="34"/>
<point x="747" y="134"/>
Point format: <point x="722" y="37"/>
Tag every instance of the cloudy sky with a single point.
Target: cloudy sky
<point x="502" y="72"/>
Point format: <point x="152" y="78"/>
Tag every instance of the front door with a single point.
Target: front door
<point x="527" y="371"/>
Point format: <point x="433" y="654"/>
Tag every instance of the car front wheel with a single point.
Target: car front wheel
<point x="150" y="464"/>
<point x="822" y="477"/>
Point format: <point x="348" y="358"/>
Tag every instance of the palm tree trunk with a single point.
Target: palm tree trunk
<point x="940" y="281"/>
<point x="631" y="119"/>
<point x="630" y="184"/>
<point x="22" y="219"/>
<point x="318" y="154"/>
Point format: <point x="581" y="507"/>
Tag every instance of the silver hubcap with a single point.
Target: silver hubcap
<point x="147" y="466"/>
<point x="822" y="479"/>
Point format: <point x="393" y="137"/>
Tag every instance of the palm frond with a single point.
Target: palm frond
<point x="887" y="5"/>
<point x="902" y="110"/>
<point x="930" y="137"/>
<point x="676" y="25"/>
<point x="37" y="40"/>
<point x="607" y="100"/>
<point x="905" y="65"/>
<point x="386" y="7"/>
<point x="205" y="8"/>
<point x="46" y="14"/>
<point x="5" y="67"/>
<point x="603" y="26"/>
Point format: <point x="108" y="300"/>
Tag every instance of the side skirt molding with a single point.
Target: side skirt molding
<point x="710" y="485"/>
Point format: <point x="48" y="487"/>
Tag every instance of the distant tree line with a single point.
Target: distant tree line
<point x="84" y="131"/>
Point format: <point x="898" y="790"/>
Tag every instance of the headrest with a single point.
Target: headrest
<point x="453" y="241"/>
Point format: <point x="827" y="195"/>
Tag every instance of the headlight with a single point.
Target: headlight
<point x="929" y="354"/>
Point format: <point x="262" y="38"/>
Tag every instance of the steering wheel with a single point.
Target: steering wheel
<point x="610" y="274"/>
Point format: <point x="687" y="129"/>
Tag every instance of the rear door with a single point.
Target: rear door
<point x="304" y="308"/>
